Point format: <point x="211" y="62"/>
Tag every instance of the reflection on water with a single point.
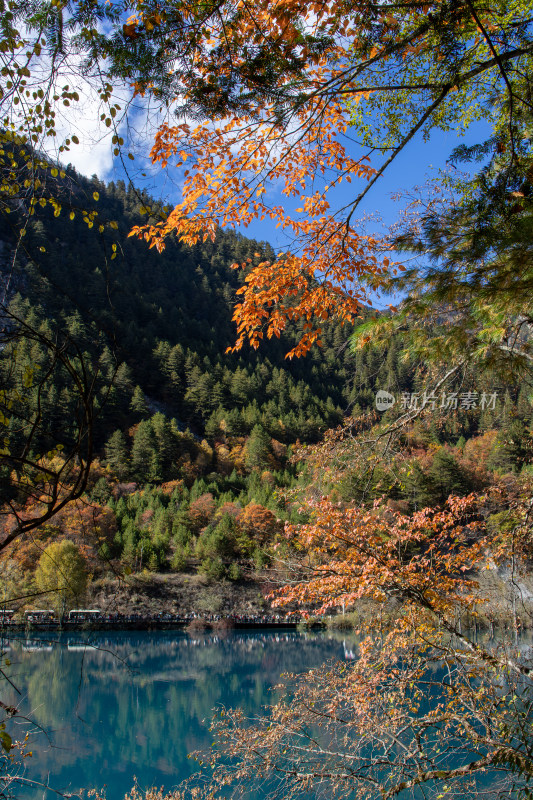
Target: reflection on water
<point x="118" y="705"/>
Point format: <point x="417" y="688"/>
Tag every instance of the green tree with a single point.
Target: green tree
<point x="116" y="451"/>
<point x="216" y="545"/>
<point x="62" y="571"/>
<point x="447" y="476"/>
<point x="138" y="403"/>
<point x="144" y="458"/>
<point x="257" y="448"/>
<point x="512" y="448"/>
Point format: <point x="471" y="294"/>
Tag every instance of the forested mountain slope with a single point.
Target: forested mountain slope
<point x="163" y="322"/>
<point x="192" y="443"/>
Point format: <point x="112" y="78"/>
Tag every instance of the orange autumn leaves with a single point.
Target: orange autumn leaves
<point x="377" y="553"/>
<point x="285" y="91"/>
<point x="225" y="186"/>
<point x="233" y="171"/>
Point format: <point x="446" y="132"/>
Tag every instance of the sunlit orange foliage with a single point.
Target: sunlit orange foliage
<point x="259" y="523"/>
<point x="201" y="510"/>
<point x="27" y="549"/>
<point x="478" y="449"/>
<point x="170" y="486"/>
<point x="233" y="169"/>
<point x="380" y="554"/>
<point x="88" y="525"/>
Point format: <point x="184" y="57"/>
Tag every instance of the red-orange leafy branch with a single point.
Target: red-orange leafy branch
<point x="231" y="168"/>
<point x="293" y="99"/>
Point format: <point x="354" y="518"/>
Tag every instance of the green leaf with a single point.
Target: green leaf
<point x="5" y="741"/>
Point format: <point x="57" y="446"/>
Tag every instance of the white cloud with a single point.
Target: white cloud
<point x="94" y="153"/>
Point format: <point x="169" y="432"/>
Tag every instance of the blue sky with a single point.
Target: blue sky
<point x="418" y="162"/>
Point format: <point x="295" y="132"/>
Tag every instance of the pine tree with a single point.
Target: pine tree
<point x="138" y="403"/>
<point x="143" y="453"/>
<point x="116" y="451"/>
<point x="447" y="476"/>
<point x="257" y="448"/>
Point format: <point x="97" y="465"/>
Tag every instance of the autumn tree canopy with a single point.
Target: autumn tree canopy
<point x="273" y="100"/>
<point x="298" y="98"/>
<point x="427" y="708"/>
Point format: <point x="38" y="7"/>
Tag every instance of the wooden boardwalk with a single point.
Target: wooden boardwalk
<point x="158" y="622"/>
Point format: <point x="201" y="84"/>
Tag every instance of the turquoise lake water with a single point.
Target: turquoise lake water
<point x="114" y="706"/>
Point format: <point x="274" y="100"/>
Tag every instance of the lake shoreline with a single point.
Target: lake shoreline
<point x="154" y="601"/>
<point x="197" y="624"/>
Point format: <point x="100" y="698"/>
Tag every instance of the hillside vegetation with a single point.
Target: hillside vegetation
<point x="195" y="466"/>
